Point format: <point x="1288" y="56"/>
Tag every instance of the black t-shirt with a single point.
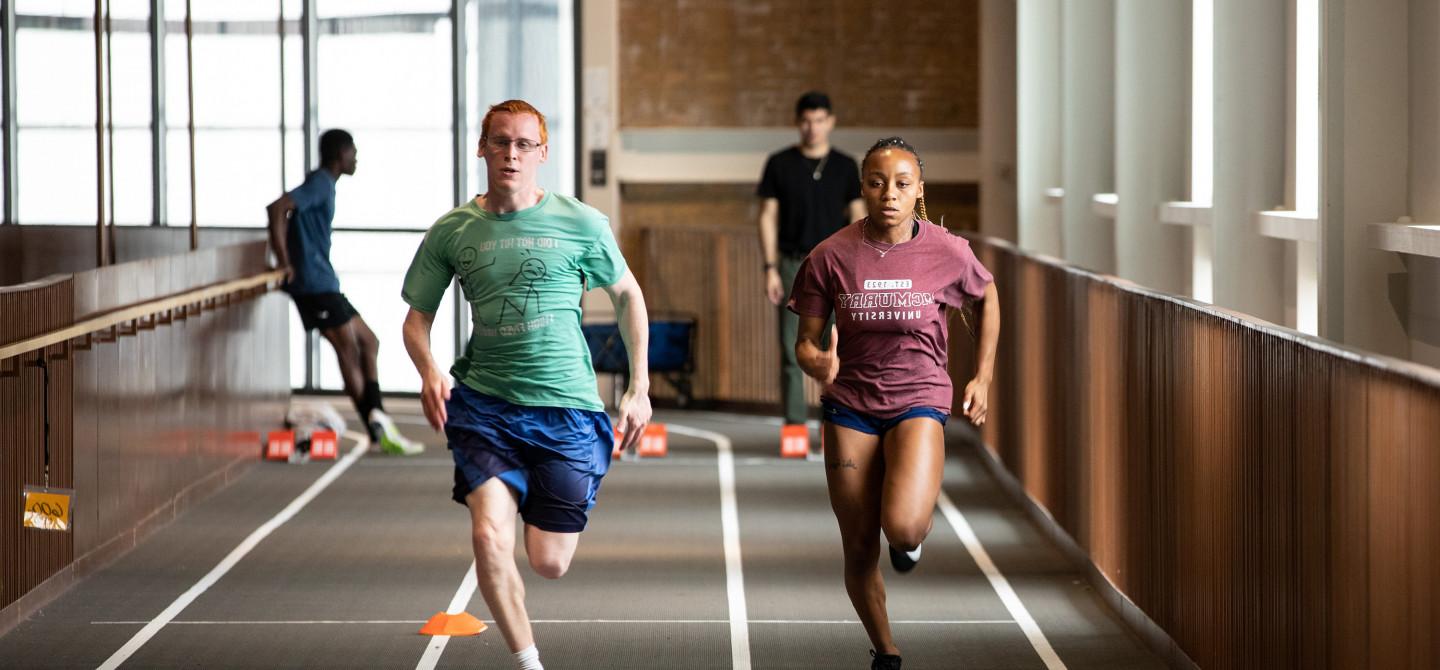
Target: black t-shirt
<point x="810" y="209"/>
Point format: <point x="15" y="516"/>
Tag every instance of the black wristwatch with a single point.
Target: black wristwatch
<point x="769" y="267"/>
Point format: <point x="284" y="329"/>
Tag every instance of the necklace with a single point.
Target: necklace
<point x="865" y="235"/>
<point x="820" y="167"/>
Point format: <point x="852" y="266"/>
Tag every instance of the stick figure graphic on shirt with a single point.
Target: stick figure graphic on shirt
<point x="532" y="270"/>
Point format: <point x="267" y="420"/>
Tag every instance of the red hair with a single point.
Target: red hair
<point x="514" y="107"/>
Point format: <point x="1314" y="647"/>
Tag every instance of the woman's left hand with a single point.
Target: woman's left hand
<point x="977" y="401"/>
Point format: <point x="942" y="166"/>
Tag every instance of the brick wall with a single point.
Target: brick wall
<point x="743" y="63"/>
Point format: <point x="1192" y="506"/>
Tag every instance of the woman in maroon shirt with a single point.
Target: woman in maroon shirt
<point x="889" y="279"/>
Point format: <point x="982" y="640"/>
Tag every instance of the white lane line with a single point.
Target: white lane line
<point x="239" y="552"/>
<point x="457" y="605"/>
<point x="1000" y="584"/>
<point x="730" y="525"/>
<point x="373" y="622"/>
<point x="242" y="622"/>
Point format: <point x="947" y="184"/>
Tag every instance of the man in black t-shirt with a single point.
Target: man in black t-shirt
<point x="808" y="191"/>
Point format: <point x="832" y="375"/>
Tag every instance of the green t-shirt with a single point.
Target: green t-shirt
<point x="523" y="274"/>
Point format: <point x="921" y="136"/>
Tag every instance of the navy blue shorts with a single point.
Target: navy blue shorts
<point x="841" y="415"/>
<point x="553" y="457"/>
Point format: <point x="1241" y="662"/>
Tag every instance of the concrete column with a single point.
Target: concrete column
<point x="997" y="118"/>
<point x="1424" y="191"/>
<point x="1152" y="94"/>
<point x="599" y="125"/>
<point x="1038" y="123"/>
<point x="1250" y="128"/>
<point x="1365" y="122"/>
<point x="1087" y="153"/>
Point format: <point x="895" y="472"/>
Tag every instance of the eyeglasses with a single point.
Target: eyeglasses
<point x="503" y="144"/>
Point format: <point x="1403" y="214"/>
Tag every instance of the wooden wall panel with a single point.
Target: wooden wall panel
<point x="704" y="64"/>
<point x="162" y="413"/>
<point x="28" y="557"/>
<point x="1266" y="498"/>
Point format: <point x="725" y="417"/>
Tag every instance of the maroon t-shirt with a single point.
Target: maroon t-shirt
<point x="890" y="311"/>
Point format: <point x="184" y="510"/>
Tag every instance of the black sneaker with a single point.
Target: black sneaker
<point x="904" y="561"/>
<point x="884" y="661"/>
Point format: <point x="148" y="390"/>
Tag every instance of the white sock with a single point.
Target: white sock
<point x="914" y="555"/>
<point x="528" y="659"/>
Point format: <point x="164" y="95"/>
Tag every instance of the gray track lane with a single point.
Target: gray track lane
<point x="652" y="551"/>
<point x="384" y="542"/>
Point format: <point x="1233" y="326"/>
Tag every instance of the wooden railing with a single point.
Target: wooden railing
<point x="1269" y="499"/>
<point x="128" y="320"/>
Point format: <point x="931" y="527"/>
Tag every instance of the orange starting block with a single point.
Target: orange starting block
<point x="324" y="446"/>
<point x="454" y="625"/>
<point x="279" y="445"/>
<point x="654" y="443"/>
<point x="794" y="441"/>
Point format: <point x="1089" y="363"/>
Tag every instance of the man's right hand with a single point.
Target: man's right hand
<point x="434" y="391"/>
<point x="774" y="288"/>
<point x="289" y="274"/>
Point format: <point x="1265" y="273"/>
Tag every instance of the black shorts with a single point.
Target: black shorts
<point x="324" y="310"/>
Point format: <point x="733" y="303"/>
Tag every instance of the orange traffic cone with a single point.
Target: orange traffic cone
<point x="454" y="625"/>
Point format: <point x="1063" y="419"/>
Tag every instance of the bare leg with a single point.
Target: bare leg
<point x="914" y="466"/>
<point x="492" y="518"/>
<point x="855" y="471"/>
<point x="369" y="346"/>
<point x="347" y="354"/>
<point x="550" y="552"/>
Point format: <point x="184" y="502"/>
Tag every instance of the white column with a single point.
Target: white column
<point x="1087" y="154"/>
<point x="997" y="118"/>
<point x="1038" y="124"/>
<point x="1152" y="86"/>
<point x="1250" y="129"/>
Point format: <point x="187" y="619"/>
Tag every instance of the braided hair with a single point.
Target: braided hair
<point x="897" y="142"/>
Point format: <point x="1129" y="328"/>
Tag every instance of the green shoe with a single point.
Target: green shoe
<point x="391" y="441"/>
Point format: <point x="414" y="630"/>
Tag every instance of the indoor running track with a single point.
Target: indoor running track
<point x="720" y="555"/>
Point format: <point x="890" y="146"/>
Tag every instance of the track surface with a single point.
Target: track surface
<point x="349" y="579"/>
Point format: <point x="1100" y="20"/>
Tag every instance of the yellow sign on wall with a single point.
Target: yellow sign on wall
<point x="47" y="509"/>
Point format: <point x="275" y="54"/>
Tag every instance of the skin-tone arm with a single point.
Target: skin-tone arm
<point x="977" y="392"/>
<point x="434" y="382"/>
<point x="857" y="210"/>
<point x="278" y="214"/>
<point x="770" y="248"/>
<point x="635" y="331"/>
<point x="818" y="362"/>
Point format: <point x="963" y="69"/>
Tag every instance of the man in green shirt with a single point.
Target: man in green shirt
<point x="525" y="423"/>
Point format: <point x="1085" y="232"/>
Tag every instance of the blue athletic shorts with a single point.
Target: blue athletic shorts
<point x="841" y="415"/>
<point x="553" y="457"/>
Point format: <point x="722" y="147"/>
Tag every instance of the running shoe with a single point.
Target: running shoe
<point x="884" y="661"/>
<point x="904" y="561"/>
<point x="391" y="441"/>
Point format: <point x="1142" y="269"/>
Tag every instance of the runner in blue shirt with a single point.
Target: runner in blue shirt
<point x="300" y="237"/>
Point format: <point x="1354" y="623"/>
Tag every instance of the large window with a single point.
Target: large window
<point x="233" y="73"/>
<point x="236" y="51"/>
<point x="529" y="54"/>
<point x="55" y="111"/>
